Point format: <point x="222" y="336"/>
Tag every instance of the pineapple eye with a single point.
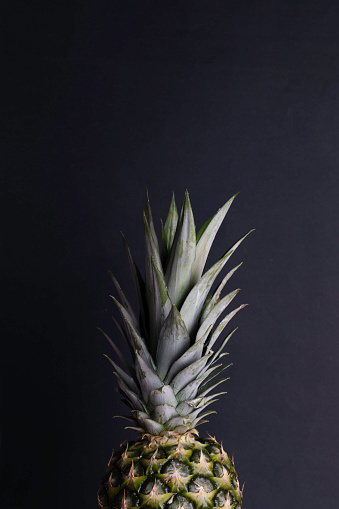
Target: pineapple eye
<point x="158" y="455"/>
<point x="220" y="499"/>
<point x="126" y="499"/>
<point x="196" y="456"/>
<point x="103" y="497"/>
<point x="213" y="449"/>
<point x="217" y="470"/>
<point x="134" y="468"/>
<point x="149" y="484"/>
<point x="172" y="465"/>
<point x="113" y="478"/>
<point x="180" y="502"/>
<point x="200" y="483"/>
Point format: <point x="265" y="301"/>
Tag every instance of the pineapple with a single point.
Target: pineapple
<point x="175" y="371"/>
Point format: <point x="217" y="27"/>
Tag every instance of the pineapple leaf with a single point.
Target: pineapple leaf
<point x="190" y="373"/>
<point x="200" y="421"/>
<point x="135" y="339"/>
<point x="126" y="417"/>
<point x="212" y="301"/>
<point x="163" y="395"/>
<point x="139" y="430"/>
<point x="193" y="304"/>
<point x="222" y="325"/>
<point x="174" y="340"/>
<point x="163" y="413"/>
<point x="146" y="376"/>
<point x="124" y="301"/>
<point x="138" y="283"/>
<point x="139" y="415"/>
<point x="203" y="228"/>
<point x="153" y="427"/>
<point x="209" y="386"/>
<point x="150" y="220"/>
<point x="129" y="381"/>
<point x="168" y="232"/>
<point x="197" y="412"/>
<point x="178" y="421"/>
<point x="159" y="304"/>
<point x="190" y="391"/>
<point x="214" y="314"/>
<point x="116" y="349"/>
<point x="205" y="239"/>
<point x="123" y="333"/>
<point x="191" y="355"/>
<point x="178" y="272"/>
<point x="134" y="400"/>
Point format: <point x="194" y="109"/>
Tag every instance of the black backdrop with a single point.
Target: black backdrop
<point x="105" y="99"/>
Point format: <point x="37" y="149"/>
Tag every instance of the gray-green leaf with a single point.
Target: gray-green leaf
<point x="205" y="241"/>
<point x="173" y="342"/>
<point x="178" y="272"/>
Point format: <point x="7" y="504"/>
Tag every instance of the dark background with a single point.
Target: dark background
<point x="105" y="99"/>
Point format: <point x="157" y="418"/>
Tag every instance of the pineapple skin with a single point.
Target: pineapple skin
<point x="184" y="473"/>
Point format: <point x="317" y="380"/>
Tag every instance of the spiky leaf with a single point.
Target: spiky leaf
<point x="194" y="302"/>
<point x="178" y="272"/>
<point x="174" y="340"/>
<point x="168" y="232"/>
<point x="205" y="241"/>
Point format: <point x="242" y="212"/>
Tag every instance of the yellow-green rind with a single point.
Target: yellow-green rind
<point x="180" y="474"/>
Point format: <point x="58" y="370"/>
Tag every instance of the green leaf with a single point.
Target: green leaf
<point x="124" y="301"/>
<point x="139" y="415"/>
<point x="163" y="395"/>
<point x="222" y="325"/>
<point x="159" y="304"/>
<point x="178" y="272"/>
<point x="168" y="232"/>
<point x="203" y="228"/>
<point x="206" y="238"/>
<point x="178" y="421"/>
<point x="197" y="422"/>
<point x="209" y="386"/>
<point x="216" y="355"/>
<point x="133" y="398"/>
<point x="197" y="412"/>
<point x="126" y="417"/>
<point x="191" y="390"/>
<point x="152" y="427"/>
<point x="191" y="355"/>
<point x="190" y="373"/>
<point x="173" y="342"/>
<point x="146" y="376"/>
<point x="116" y="349"/>
<point x="138" y="344"/>
<point x="209" y="375"/>
<point x="193" y="304"/>
<point x="212" y="301"/>
<point x="129" y="381"/>
<point x="215" y="312"/>
<point x="150" y="220"/>
<point x="139" y="285"/>
<point x="162" y="413"/>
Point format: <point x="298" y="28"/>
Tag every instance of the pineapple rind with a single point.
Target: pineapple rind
<point x="142" y="473"/>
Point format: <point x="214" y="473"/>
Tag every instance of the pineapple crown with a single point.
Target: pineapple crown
<point x="174" y="367"/>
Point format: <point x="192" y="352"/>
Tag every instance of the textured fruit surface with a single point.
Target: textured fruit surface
<point x="182" y="473"/>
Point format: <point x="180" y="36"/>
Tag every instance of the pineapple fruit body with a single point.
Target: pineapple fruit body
<point x="175" y="369"/>
<point x="182" y="473"/>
